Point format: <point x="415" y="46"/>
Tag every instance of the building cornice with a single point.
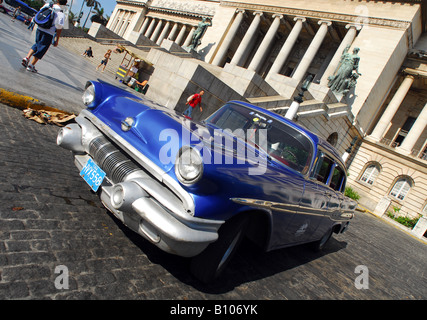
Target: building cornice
<point x="322" y="15"/>
<point x="415" y="72"/>
<point x="416" y="163"/>
<point x="132" y="3"/>
<point x="188" y="8"/>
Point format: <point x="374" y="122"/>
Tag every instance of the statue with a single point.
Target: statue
<point x="199" y="32"/>
<point x="345" y="78"/>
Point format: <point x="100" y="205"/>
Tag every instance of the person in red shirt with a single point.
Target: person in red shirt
<point x="193" y="101"/>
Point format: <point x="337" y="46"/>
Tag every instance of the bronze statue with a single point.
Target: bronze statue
<point x="347" y="74"/>
<point x="199" y="32"/>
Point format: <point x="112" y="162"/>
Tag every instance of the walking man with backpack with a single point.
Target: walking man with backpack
<point x="192" y="102"/>
<point x="50" y="19"/>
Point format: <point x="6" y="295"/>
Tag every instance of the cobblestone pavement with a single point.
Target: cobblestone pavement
<point x="62" y="73"/>
<point x="49" y="219"/>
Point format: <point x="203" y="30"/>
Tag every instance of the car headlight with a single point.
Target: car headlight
<point x="89" y="95"/>
<point x="189" y="165"/>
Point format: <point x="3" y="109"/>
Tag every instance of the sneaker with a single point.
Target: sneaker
<point x="31" y="68"/>
<point x="25" y="62"/>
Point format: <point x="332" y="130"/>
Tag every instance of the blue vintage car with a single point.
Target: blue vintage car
<point x="195" y="189"/>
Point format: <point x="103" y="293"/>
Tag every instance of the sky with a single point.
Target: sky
<point x="108" y="6"/>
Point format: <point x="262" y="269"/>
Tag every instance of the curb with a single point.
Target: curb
<point x="23" y="102"/>
<point x="391" y="222"/>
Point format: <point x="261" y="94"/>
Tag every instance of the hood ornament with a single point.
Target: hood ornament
<point x="127" y="124"/>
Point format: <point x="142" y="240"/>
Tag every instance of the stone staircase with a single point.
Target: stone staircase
<point x="308" y="108"/>
<point x="186" y="74"/>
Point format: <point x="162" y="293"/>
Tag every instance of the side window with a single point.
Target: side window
<point x="401" y="188"/>
<point x="370" y="174"/>
<point x="322" y="168"/>
<point x="338" y="179"/>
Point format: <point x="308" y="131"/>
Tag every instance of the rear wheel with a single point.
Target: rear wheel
<point x="209" y="265"/>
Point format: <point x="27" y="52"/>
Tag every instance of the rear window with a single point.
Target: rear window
<point x="322" y="168"/>
<point x="328" y="172"/>
<point x="338" y="179"/>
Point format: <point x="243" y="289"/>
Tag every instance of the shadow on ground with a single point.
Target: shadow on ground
<point x="249" y="264"/>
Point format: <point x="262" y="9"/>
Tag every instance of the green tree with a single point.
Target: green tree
<point x="99" y="16"/>
<point x="35" y="4"/>
<point x="71" y="16"/>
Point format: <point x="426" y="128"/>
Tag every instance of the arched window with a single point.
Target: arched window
<point x="370" y="174"/>
<point x="401" y="188"/>
<point x="333" y="139"/>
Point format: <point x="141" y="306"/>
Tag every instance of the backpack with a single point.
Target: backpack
<point x="44" y="18"/>
<point x="190" y="98"/>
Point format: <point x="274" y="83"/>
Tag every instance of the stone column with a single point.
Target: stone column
<point x="172" y="34"/>
<point x="150" y="28"/>
<point x="125" y="24"/>
<point x="122" y="21"/>
<point x="392" y="107"/>
<point x="220" y="55"/>
<point x="181" y="34"/>
<point x="119" y="17"/>
<point x="113" y="20"/>
<point x="163" y="34"/>
<point x="156" y="32"/>
<point x="121" y="14"/>
<point x="244" y="46"/>
<point x="335" y="61"/>
<point x="415" y="132"/>
<point x="144" y="25"/>
<point x="311" y="51"/>
<point x="189" y="37"/>
<point x="287" y="46"/>
<point x="259" y="56"/>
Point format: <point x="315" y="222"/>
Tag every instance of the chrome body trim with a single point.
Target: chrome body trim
<point x="160" y="214"/>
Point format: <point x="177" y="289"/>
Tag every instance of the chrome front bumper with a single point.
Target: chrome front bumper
<point x="153" y="205"/>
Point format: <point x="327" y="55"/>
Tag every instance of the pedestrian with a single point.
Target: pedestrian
<point x="45" y="37"/>
<point x="134" y="69"/>
<point x="119" y="49"/>
<point x="131" y="74"/>
<point x="105" y="60"/>
<point x="88" y="53"/>
<point x="193" y="101"/>
<point x="16" y="13"/>
<point x="31" y="25"/>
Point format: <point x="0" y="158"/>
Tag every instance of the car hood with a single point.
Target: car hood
<point x="157" y="132"/>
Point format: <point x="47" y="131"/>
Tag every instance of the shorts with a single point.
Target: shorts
<point x="104" y="62"/>
<point x="43" y="41"/>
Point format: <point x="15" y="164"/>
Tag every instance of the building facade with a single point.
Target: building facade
<point x="264" y="51"/>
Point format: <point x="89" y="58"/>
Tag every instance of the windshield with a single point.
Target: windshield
<point x="280" y="141"/>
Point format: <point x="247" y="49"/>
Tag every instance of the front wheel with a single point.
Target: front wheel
<point x="209" y="265"/>
<point x="320" y="244"/>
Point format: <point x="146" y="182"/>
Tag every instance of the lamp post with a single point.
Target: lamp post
<point x="293" y="109"/>
<point x="349" y="149"/>
<point x="84" y="24"/>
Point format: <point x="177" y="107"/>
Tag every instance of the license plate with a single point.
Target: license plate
<point x="92" y="174"/>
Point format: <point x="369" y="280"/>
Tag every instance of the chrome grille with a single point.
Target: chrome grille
<point x="116" y="165"/>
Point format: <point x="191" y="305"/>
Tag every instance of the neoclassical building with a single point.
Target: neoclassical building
<point x="262" y="52"/>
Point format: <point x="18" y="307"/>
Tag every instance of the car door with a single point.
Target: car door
<point x="311" y="212"/>
<point x="314" y="203"/>
<point x="334" y="197"/>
